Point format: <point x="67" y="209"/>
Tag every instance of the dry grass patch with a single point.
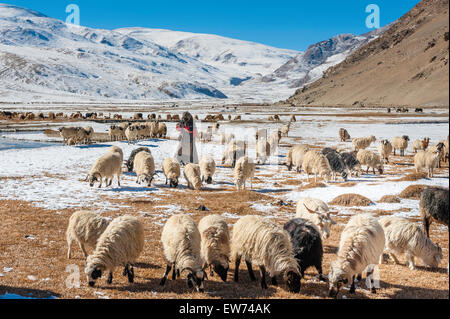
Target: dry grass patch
<point x="347" y="184"/>
<point x="411" y="177"/>
<point x="392" y="199"/>
<point x="351" y="200"/>
<point x="413" y="191"/>
<point x="312" y="185"/>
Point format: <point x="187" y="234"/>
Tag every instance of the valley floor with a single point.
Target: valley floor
<point x="41" y="185"/>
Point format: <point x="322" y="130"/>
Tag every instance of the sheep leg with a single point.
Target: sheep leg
<point x="319" y="270"/>
<point x="250" y="271"/>
<point x="83" y="249"/>
<point x="369" y="274"/>
<point x="410" y="261"/>
<point x="164" y="278"/>
<point x="236" y="268"/>
<point x="178" y="272"/>
<point x="125" y="270"/>
<point x="352" y="287"/>
<point x="426" y="225"/>
<point x="211" y="271"/>
<point x="69" y="244"/>
<point x="263" y="277"/>
<point x="130" y="274"/>
<point x="174" y="272"/>
<point x="118" y="180"/>
<point x="274" y="281"/>
<point x="110" y="278"/>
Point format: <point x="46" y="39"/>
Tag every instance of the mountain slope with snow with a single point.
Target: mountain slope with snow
<point x="44" y="55"/>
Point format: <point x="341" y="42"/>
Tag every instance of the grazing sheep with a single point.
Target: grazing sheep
<point x="270" y="118"/>
<point x="144" y="166"/>
<point x="120" y="245"/>
<point x="276" y="117"/>
<point x="336" y="163"/>
<point x="192" y="175"/>
<point x="427" y="159"/>
<point x="400" y="143"/>
<point x="237" y="118"/>
<point x="107" y="166"/>
<point x="68" y="132"/>
<point x="137" y="116"/>
<point x="362" y="243"/>
<point x="265" y="244"/>
<point x="295" y="155"/>
<point x="370" y="159"/>
<point x="207" y="168"/>
<point x="317" y="212"/>
<point x="181" y="243"/>
<point x="85" y="227"/>
<point x="131" y="134"/>
<point x="405" y="237"/>
<point x="234" y="151"/>
<point x="306" y="244"/>
<point x="343" y="135"/>
<point x="444" y="150"/>
<point x="285" y="129"/>
<point x="262" y="151"/>
<point x="362" y="143"/>
<point x="244" y="169"/>
<point x="316" y="163"/>
<point x="293" y="119"/>
<point x="274" y="140"/>
<point x="115" y="133"/>
<point x="162" y="130"/>
<point x="352" y="163"/>
<point x="171" y="169"/>
<point x="130" y="161"/>
<point x="215" y="244"/>
<point x="434" y="207"/>
<point x="420" y="145"/>
<point x="385" y="149"/>
<point x="89" y="134"/>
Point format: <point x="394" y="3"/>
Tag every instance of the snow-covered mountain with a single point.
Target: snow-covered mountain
<point x="240" y="58"/>
<point x="310" y="65"/>
<point x="45" y="58"/>
<point x="43" y="55"/>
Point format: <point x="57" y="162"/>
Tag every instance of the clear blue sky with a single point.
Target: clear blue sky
<point x="292" y="24"/>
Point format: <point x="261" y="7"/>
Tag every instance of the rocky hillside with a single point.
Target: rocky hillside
<point x="407" y="65"/>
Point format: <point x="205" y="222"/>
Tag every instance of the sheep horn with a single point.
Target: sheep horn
<point x="309" y="210"/>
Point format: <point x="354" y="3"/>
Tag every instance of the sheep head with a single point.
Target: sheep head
<point x="293" y="281"/>
<point x="93" y="272"/>
<point x="195" y="279"/>
<point x="95" y="177"/>
<point x="337" y="278"/>
<point x="322" y="220"/>
<point x="173" y="182"/>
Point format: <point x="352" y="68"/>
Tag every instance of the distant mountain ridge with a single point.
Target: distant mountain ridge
<point x="407" y="65"/>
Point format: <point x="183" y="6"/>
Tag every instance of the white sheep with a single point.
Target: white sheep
<point x="285" y="129"/>
<point x="120" y="245"/>
<point x="264" y="243"/>
<point x="295" y="155"/>
<point x="107" y="166"/>
<point x="215" y="244"/>
<point x="370" y="159"/>
<point x="385" y="149"/>
<point x="192" y="175"/>
<point x="131" y="133"/>
<point x="262" y="151"/>
<point x="144" y="167"/>
<point x="181" y="243"/>
<point x="207" y="168"/>
<point x="115" y="133"/>
<point x="85" y="227"/>
<point x="68" y="132"/>
<point x="244" y="169"/>
<point x="427" y="159"/>
<point x="171" y="169"/>
<point x="405" y="237"/>
<point x="274" y="140"/>
<point x="362" y="143"/>
<point x="400" y="143"/>
<point x="162" y="130"/>
<point x="316" y="211"/>
<point x="316" y="163"/>
<point x="361" y="245"/>
<point x="90" y="134"/>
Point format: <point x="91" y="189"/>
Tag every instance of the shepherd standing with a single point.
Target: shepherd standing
<point x="186" y="150"/>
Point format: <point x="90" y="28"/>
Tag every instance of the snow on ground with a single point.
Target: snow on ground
<point x="52" y="176"/>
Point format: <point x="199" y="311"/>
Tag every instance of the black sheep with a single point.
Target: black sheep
<point x="130" y="162"/>
<point x="306" y="243"/>
<point x="434" y="206"/>
<point x="350" y="160"/>
<point x="336" y="161"/>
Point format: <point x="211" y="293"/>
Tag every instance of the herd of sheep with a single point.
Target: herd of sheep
<point x="282" y="253"/>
